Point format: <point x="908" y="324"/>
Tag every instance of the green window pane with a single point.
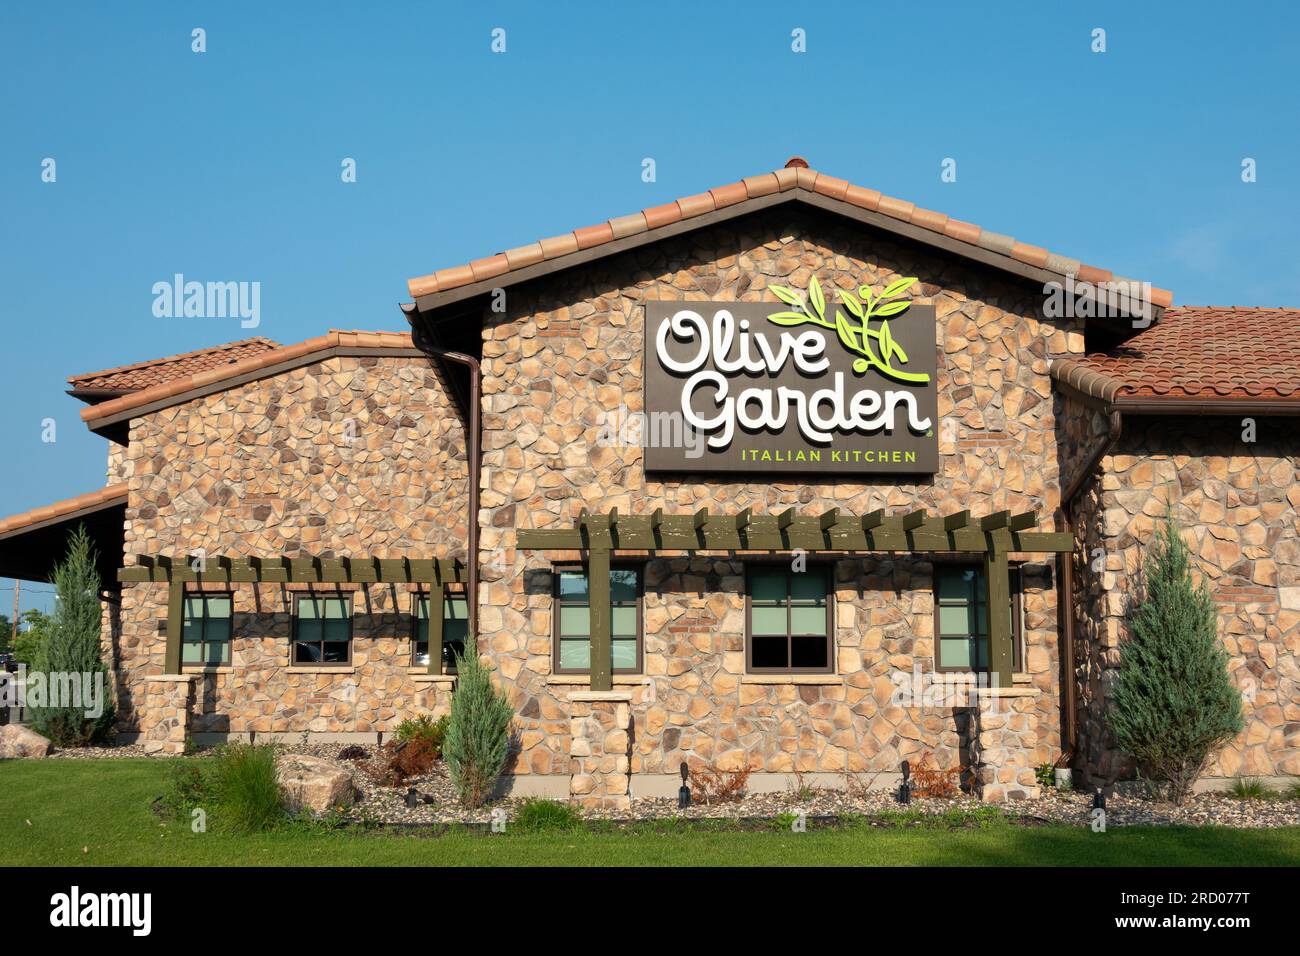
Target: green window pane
<point x="956" y="619"/>
<point x="768" y="620"/>
<point x="310" y="609"/>
<point x="958" y="583"/>
<point x="767" y="586"/>
<point x="624" y="654"/>
<point x="218" y="607"/>
<point x="217" y="652"/>
<point x="422" y="609"/>
<point x="573" y="586"/>
<point x="575" y="655"/>
<point x="217" y="630"/>
<point x="955" y="652"/>
<point x="982" y="653"/>
<point x="807" y="620"/>
<point x="191" y="653"/>
<point x="194" y="607"/>
<point x="575" y="620"/>
<point x="455" y="631"/>
<point x="336" y="608"/>
<point x="809" y="586"/>
<point x="623" y="621"/>
<point x="338" y="631"/>
<point x="192" y="629"/>
<point x="622" y="584"/>
<point x="455" y="609"/>
<point x="422" y="632"/>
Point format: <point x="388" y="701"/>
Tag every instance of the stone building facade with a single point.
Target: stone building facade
<point x="354" y="447"/>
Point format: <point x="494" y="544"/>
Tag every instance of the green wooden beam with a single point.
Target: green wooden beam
<point x="829" y="519"/>
<point x="997" y="576"/>
<point x="602" y="654"/>
<point x="785" y="519"/>
<point x="175" y="621"/>
<point x="915" y="519"/>
<point x="994" y="521"/>
<point x="956" y="521"/>
<point x="1023" y="522"/>
<point x="435" y="596"/>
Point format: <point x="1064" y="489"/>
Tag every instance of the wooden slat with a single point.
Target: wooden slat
<point x="785" y="519"/>
<point x="1023" y="521"/>
<point x="602" y="677"/>
<point x="994" y="521"/>
<point x="914" y="520"/>
<point x="997" y="576"/>
<point x="175" y="610"/>
<point x="435" y="629"/>
<point x="829" y="519"/>
<point x="956" y="521"/>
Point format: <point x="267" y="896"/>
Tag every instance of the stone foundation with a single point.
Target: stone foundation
<point x="165" y="718"/>
<point x="600" y="749"/>
<point x="1004" y="731"/>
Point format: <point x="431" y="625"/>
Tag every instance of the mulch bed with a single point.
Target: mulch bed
<point x="382" y="804"/>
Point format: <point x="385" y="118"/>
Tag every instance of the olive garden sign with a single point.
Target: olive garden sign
<point x="817" y="386"/>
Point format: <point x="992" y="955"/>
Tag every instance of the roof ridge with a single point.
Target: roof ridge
<point x="167" y="359"/>
<point x="794" y="175"/>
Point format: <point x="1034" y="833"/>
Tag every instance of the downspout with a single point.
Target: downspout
<point x="475" y="465"/>
<point x="1065" y="571"/>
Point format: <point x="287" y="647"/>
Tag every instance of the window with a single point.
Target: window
<point x="788" y="620"/>
<point x="322" y="630"/>
<point x="572" y="625"/>
<point x="961" y="627"/>
<point x="206" y="635"/>
<point x="455" y="628"/>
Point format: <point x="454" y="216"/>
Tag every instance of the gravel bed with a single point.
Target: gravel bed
<point x="379" y="803"/>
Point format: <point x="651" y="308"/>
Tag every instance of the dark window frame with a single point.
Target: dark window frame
<point x="827" y="568"/>
<point x="203" y="641"/>
<point x="556" y="604"/>
<point x="1017" y="618"/>
<point x="295" y="640"/>
<point x="449" y="666"/>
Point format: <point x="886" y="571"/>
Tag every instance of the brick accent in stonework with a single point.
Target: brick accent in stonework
<point x="600" y="748"/>
<point x="165" y="716"/>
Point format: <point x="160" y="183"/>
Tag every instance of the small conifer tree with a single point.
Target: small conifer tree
<point x="73" y="653"/>
<point x="1174" y="702"/>
<point x="478" y="732"/>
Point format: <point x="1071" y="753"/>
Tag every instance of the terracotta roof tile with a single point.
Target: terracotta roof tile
<point x="794" y="175"/>
<point x="132" y="378"/>
<point x="261" y="360"/>
<point x="103" y="496"/>
<point x="1198" y="352"/>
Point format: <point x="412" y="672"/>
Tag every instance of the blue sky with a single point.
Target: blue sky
<point x="226" y="165"/>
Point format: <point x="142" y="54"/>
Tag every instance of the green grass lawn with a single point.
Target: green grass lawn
<point x="96" y="812"/>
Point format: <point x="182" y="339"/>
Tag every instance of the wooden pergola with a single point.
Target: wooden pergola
<point x="993" y="536"/>
<point x="177" y="572"/>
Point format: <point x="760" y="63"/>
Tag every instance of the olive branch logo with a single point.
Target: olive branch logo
<point x="856" y="336"/>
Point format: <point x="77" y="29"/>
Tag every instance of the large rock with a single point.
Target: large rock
<point x="19" y="741"/>
<point x="314" y="783"/>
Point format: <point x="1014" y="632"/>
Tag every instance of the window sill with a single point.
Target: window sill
<point x="791" y="679"/>
<point x="320" y="669"/>
<point x="584" y="680"/>
<point x="424" y="677"/>
<point x="200" y="669"/>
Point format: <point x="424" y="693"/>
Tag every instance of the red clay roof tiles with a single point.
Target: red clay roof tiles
<point x="112" y="494"/>
<point x="1199" y="352"/>
<point x="131" y="378"/>
<point x="795" y="175"/>
<point x="264" y="359"/>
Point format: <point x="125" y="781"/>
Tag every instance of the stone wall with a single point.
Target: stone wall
<point x="1236" y="502"/>
<point x="570" y="349"/>
<point x="352" y="456"/>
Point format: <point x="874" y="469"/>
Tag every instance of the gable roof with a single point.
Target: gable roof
<point x="112" y="382"/>
<point x="106" y="497"/>
<point x="261" y="365"/>
<point x="793" y="182"/>
<point x="1198" y="353"/>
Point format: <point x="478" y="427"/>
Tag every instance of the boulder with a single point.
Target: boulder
<point x="314" y="783"/>
<point x="19" y="741"/>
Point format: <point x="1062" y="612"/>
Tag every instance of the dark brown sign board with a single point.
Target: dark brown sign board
<point x="729" y="390"/>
